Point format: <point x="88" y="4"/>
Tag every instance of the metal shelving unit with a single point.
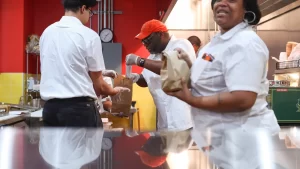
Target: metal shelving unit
<point x="30" y="94"/>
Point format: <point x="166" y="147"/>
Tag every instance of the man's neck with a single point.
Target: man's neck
<point x="70" y="13"/>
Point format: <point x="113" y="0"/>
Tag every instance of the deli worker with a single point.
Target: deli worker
<point x="229" y="78"/>
<point x="196" y="42"/>
<point x="71" y="69"/>
<point x="173" y="114"/>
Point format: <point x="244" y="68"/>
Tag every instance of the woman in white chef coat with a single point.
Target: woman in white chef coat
<point x="228" y="79"/>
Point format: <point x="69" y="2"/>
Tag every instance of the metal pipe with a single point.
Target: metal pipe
<point x="112" y="15"/>
<point x="27" y="72"/>
<point x="37" y="66"/>
<point x="109" y="13"/>
<point x="100" y="20"/>
<point x="104" y="14"/>
<point x="98" y="27"/>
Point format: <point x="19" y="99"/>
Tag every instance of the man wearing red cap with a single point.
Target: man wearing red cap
<point x="173" y="114"/>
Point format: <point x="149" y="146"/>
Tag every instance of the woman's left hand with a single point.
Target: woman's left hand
<point x="184" y="94"/>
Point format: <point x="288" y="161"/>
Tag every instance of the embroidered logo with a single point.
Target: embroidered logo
<point x="208" y="57"/>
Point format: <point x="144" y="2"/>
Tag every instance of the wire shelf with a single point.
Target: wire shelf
<point x="288" y="64"/>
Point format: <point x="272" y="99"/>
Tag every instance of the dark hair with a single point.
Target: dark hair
<point x="249" y="5"/>
<point x="194" y="40"/>
<point x="74" y="5"/>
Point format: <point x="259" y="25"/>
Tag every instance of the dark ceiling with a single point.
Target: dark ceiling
<point x="269" y="6"/>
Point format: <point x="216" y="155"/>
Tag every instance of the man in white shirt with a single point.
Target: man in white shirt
<point x="71" y="69"/>
<point x="173" y="114"/>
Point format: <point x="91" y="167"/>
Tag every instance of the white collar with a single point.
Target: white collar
<point x="70" y="20"/>
<point x="229" y="34"/>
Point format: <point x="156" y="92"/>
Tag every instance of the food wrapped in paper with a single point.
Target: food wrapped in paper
<point x="172" y="71"/>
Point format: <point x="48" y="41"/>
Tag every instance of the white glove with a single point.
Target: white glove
<point x="131" y="59"/>
<point x="109" y="73"/>
<point x="134" y="77"/>
<point x="122" y="89"/>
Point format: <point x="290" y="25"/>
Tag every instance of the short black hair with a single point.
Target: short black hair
<point x="249" y="5"/>
<point x="74" y="5"/>
<point x="194" y="40"/>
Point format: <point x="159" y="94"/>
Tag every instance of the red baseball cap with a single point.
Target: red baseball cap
<point x="151" y="27"/>
<point x="151" y="161"/>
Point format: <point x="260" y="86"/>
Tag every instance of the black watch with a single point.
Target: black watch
<point x="142" y="62"/>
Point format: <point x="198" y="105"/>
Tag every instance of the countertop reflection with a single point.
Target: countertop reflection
<point x="94" y="148"/>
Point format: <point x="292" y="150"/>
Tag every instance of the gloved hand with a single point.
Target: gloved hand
<point x="131" y="59"/>
<point x="122" y="89"/>
<point x="109" y="73"/>
<point x="117" y="96"/>
<point x="134" y="77"/>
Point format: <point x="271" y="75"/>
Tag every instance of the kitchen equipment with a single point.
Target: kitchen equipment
<point x="285" y="101"/>
<point x="26" y="100"/>
<point x="286" y="78"/>
<point x="288" y="64"/>
<point x="4" y="110"/>
<point x="36" y="103"/>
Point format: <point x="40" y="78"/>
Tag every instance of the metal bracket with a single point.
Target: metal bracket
<point x="102" y="12"/>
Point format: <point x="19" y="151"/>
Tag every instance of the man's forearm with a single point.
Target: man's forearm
<point x="102" y="88"/>
<point x="224" y="102"/>
<point x="100" y="85"/>
<point x="152" y="65"/>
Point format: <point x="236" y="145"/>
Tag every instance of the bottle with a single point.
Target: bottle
<point x="30" y="83"/>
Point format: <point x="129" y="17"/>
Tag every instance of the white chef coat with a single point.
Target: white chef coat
<point x="239" y="64"/>
<point x="69" y="50"/>
<point x="173" y="114"/>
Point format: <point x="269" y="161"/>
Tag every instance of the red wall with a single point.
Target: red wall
<point x="126" y="25"/>
<point x="11" y="36"/>
<point x="20" y="18"/>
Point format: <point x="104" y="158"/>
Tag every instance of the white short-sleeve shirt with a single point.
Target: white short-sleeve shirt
<point x="173" y="114"/>
<point x="238" y="62"/>
<point x="69" y="50"/>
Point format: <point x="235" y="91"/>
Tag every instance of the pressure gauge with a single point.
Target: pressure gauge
<point x="106" y="144"/>
<point x="106" y="35"/>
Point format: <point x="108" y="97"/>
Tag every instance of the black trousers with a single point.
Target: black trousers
<point x="73" y="112"/>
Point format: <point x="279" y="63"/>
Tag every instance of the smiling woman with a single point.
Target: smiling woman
<point x="228" y="79"/>
<point x="229" y="13"/>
